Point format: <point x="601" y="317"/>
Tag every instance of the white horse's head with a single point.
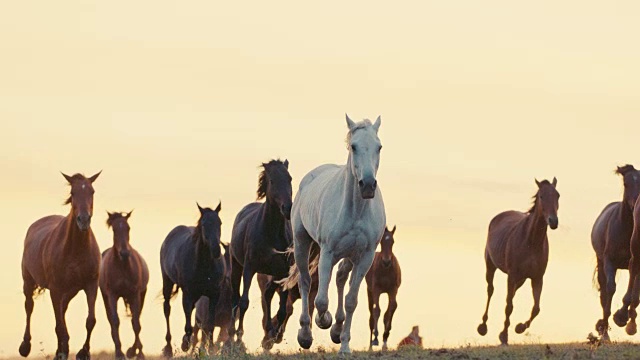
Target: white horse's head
<point x="364" y="154"/>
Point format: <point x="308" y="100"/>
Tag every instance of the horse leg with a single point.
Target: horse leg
<point x="323" y="317"/>
<point x="634" y="297"/>
<point x="491" y="271"/>
<point x="267" y="341"/>
<point x="289" y="309"/>
<point x="236" y="277"/>
<point x="167" y="290"/>
<point x="513" y="285"/>
<point x="360" y="270"/>
<point x="92" y="293"/>
<point x="283" y="313"/>
<point x="621" y="316"/>
<point x="187" y="305"/>
<point x="265" y="309"/>
<point x="536" y="287"/>
<point x="374" y="317"/>
<point x="371" y="321"/>
<point x="301" y="251"/>
<point x="388" y="317"/>
<point x="110" y="304"/>
<point x="28" y="287"/>
<point x="344" y="269"/>
<point x="60" y="304"/>
<point x="136" y="310"/>
<point x="247" y="277"/>
<point x="610" y="273"/>
<point x="209" y="325"/>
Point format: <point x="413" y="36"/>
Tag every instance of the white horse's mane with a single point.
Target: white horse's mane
<point x="359" y="125"/>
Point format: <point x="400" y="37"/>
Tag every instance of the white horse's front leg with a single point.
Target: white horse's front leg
<point x="323" y="317"/>
<point x="301" y="254"/>
<point x="360" y="270"/>
<point x="341" y="279"/>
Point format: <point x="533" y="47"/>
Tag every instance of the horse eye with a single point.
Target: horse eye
<point x="353" y="147"/>
<point x="380" y="148"/>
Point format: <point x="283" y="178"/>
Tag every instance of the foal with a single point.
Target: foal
<point x="123" y="274"/>
<point x="518" y="245"/>
<point x="384" y="277"/>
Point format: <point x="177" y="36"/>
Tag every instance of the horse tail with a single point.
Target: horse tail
<point x="127" y="307"/>
<point x="314" y="259"/>
<point x="594" y="279"/>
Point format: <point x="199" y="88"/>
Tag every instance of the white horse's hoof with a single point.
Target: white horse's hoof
<point x="344" y="350"/>
<point x="324" y="322"/>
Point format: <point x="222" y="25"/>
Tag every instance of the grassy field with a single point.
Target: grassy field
<point x="542" y="351"/>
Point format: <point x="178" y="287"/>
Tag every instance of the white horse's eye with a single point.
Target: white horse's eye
<point x="353" y="148"/>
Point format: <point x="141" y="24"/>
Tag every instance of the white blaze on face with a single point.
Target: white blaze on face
<point x="83" y="186"/>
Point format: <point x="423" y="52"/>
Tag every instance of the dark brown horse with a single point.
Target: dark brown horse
<point x="632" y="297"/>
<point x="61" y="254"/>
<point x="518" y="245"/>
<point x="264" y="282"/>
<point x="610" y="238"/>
<point x="191" y="260"/>
<point x="260" y="238"/>
<point x="123" y="274"/>
<point x="223" y="310"/>
<point x="384" y="277"/>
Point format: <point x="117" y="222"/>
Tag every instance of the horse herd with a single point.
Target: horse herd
<point x="337" y="217"/>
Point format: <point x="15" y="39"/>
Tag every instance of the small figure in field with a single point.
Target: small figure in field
<point x="123" y="274"/>
<point x="384" y="277"/>
<point x="518" y="245"/>
<point x="413" y="339"/>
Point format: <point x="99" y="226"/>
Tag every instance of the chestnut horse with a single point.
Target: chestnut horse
<point x="610" y="238"/>
<point x="61" y="254"/>
<point x="384" y="277"/>
<point x="632" y="297"/>
<point x="518" y="245"/>
<point x="191" y="260"/>
<point x="123" y="274"/>
<point x="413" y="339"/>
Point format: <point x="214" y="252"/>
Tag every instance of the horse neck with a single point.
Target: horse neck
<point x="203" y="254"/>
<point x="74" y="238"/>
<point x="536" y="227"/>
<point x="352" y="201"/>
<point x="626" y="215"/>
<point x="272" y="217"/>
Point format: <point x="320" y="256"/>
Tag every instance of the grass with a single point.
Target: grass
<point x="622" y="350"/>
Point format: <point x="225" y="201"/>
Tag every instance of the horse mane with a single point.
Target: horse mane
<point x="535" y="197"/>
<point x="113" y="217"/>
<point x="263" y="181"/>
<point x="621" y="170"/>
<point x="76" y="176"/>
<point x="359" y="125"/>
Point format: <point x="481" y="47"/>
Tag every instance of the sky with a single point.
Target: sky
<point x="181" y="102"/>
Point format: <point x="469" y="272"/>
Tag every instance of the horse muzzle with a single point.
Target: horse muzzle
<point x="124" y="255"/>
<point x="83" y="222"/>
<point x="368" y="188"/>
<point x="553" y="222"/>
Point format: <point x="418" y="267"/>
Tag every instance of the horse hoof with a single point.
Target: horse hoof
<point x="305" y="340"/>
<point x="602" y="327"/>
<point x="336" y="331"/>
<point x="385" y="347"/>
<point x="520" y="328"/>
<point x="167" y="351"/>
<point x="185" y="343"/>
<point x="61" y="355"/>
<point x="631" y="329"/>
<point x="25" y="348"/>
<point x="279" y="338"/>
<point x="482" y="329"/>
<point x="324" y="321"/>
<point x="605" y="338"/>
<point x="140" y="356"/>
<point x="504" y="338"/>
<point x="344" y="350"/>
<point x="131" y="352"/>
<point x="119" y="355"/>
<point x="83" y="354"/>
<point x="621" y="317"/>
<point x="375" y="342"/>
<point x="267" y="343"/>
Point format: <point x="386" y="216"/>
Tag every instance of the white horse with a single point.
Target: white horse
<point x="341" y="209"/>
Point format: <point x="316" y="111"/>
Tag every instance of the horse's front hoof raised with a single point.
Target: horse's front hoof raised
<point x="631" y="329"/>
<point x="336" y="331"/>
<point x="504" y="338"/>
<point x="482" y="329"/>
<point x="324" y="321"/>
<point x="305" y="339"/>
<point x="83" y="354"/>
<point x="25" y="348"/>
<point x="621" y="317"/>
<point x="131" y="352"/>
<point x="520" y="328"/>
<point x="167" y="351"/>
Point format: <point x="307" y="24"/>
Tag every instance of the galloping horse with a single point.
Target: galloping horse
<point x="260" y="237"/>
<point x="383" y="277"/>
<point x="190" y="259"/>
<point x="340" y="208"/>
<point x="610" y="238"/>
<point x="632" y="297"/>
<point x="123" y="274"/>
<point x="518" y="245"/>
<point x="61" y="254"/>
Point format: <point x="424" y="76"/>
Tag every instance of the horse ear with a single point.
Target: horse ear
<point x="94" y="177"/>
<point x="350" y="122"/>
<point x="286" y="163"/>
<point x="554" y="182"/>
<point x="537" y="182"/>
<point x="393" y="231"/>
<point x="199" y="208"/>
<point x="69" y="178"/>
<point x="128" y="215"/>
<point x="219" y="206"/>
<point x="109" y="215"/>
<point x="376" y="125"/>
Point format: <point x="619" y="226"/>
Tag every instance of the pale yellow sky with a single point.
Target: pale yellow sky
<point x="179" y="102"/>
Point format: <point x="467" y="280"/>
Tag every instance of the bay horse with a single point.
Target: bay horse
<point x="223" y="310"/>
<point x="384" y="277"/>
<point x="191" y="260"/>
<point x="339" y="208"/>
<point x="610" y="238"/>
<point x="413" y="339"/>
<point x="260" y="237"/>
<point x="61" y="254"/>
<point x="517" y="244"/>
<point x="123" y="274"/>
<point x="632" y="297"/>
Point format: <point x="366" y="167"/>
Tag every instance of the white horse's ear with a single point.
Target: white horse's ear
<point x="350" y="122"/>
<point x="376" y="125"/>
<point x="554" y="182"/>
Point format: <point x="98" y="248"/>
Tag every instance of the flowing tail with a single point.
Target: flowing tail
<point x="292" y="280"/>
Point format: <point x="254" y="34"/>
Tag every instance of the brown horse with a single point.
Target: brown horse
<point x="61" y="254"/>
<point x="384" y="277"/>
<point x="518" y="245"/>
<point x="632" y="297"/>
<point x="264" y="282"/>
<point x="610" y="238"/>
<point x="123" y="274"/>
